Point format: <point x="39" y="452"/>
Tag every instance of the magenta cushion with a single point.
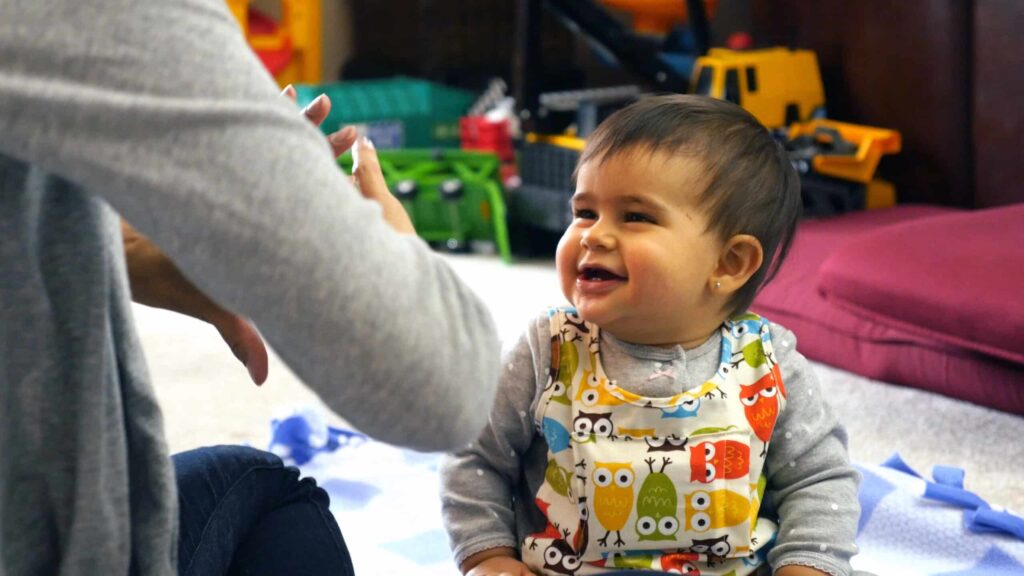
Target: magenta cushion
<point x="833" y="335"/>
<point x="956" y="278"/>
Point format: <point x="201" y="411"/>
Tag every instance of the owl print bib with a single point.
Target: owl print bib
<point x="670" y="484"/>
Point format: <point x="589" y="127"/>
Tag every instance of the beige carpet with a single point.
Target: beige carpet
<point x="208" y="399"/>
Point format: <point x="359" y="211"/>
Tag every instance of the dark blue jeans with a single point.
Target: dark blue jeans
<point x="243" y="512"/>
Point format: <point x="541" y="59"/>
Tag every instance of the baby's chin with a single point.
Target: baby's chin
<point x="585" y="314"/>
<point x="594" y="315"/>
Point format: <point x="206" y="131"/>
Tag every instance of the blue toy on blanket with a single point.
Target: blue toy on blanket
<point x="909" y="525"/>
<point x="304" y="434"/>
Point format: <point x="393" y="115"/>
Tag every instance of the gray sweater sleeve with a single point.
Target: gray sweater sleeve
<point x="812" y="487"/>
<point x="161" y="109"/>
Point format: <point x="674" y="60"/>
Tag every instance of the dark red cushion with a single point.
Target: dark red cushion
<point x="956" y="278"/>
<point x="833" y="335"/>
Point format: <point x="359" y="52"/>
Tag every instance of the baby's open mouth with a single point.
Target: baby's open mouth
<point x="597" y="274"/>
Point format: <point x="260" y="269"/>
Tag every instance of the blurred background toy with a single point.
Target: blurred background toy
<point x="777" y="85"/>
<point x="837" y="161"/>
<point x="289" y="44"/>
<point x="453" y="197"/>
<point x="395" y="113"/>
<point x="654" y="45"/>
<point x="783" y="89"/>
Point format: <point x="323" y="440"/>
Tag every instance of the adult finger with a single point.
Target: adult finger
<point x="343" y="139"/>
<point x="370" y="181"/>
<point x="289" y="92"/>
<point x="317" y="110"/>
<point x="246" y="344"/>
<point x="366" y="170"/>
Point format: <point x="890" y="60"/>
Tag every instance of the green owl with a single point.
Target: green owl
<point x="558" y="477"/>
<point x="635" y="561"/>
<point x="753" y="353"/>
<point x="656" y="505"/>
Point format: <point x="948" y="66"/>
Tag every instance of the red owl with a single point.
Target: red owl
<point x="680" y="563"/>
<point x="761" y="403"/>
<point x="549" y="531"/>
<point x="710" y="461"/>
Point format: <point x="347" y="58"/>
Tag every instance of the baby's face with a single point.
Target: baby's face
<point x="637" y="258"/>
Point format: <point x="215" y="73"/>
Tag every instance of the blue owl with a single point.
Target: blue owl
<point x="556" y="435"/>
<point x="687" y="409"/>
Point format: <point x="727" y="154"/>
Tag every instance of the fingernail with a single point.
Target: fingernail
<point x="314" y="104"/>
<point x="368" y="142"/>
<point x="252" y="374"/>
<point x="289" y="90"/>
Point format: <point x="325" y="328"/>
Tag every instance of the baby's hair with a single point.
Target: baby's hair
<point x="751" y="187"/>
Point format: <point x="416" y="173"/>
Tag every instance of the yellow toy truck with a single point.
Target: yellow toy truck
<point x="782" y="88"/>
<point x="777" y="85"/>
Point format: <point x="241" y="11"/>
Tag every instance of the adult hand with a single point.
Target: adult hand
<point x="156" y="281"/>
<point x="368" y="178"/>
<point x="316" y="112"/>
<point x="366" y="171"/>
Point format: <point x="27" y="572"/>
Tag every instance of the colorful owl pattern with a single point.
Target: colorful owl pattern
<point x="667" y="484"/>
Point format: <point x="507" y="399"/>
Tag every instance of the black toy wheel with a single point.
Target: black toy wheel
<point x="452" y="189"/>
<point x="406" y="189"/>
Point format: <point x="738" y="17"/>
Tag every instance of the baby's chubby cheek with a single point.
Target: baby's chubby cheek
<point x="565" y="265"/>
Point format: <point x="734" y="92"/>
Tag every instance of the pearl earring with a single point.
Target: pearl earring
<point x="718" y="284"/>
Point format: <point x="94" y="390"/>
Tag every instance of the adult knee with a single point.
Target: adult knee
<point x="225" y="463"/>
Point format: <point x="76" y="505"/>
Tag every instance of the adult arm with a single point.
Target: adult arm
<point x="156" y="281"/>
<point x="811" y="483"/>
<point x="162" y="109"/>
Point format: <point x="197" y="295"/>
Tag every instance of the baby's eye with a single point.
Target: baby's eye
<point x="638" y="217"/>
<point x="584" y="214"/>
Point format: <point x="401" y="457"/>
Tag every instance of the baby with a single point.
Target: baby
<point x="657" y="424"/>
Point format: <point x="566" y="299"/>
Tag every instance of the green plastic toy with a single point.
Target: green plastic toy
<point x="452" y="196"/>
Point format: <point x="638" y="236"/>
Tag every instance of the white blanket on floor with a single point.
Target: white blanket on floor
<point x="387" y="503"/>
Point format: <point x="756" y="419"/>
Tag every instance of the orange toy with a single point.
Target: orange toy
<point x="289" y="48"/>
<point x="859" y="165"/>
<point x="657" y="16"/>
